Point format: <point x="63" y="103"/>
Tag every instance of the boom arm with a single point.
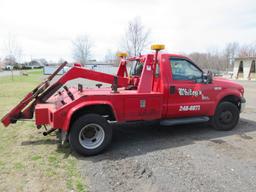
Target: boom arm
<point x="79" y="72"/>
<point x="25" y="109"/>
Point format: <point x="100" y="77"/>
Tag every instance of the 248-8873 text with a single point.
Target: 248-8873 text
<point x="189" y="108"/>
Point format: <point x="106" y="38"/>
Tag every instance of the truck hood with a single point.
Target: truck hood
<point x="226" y="83"/>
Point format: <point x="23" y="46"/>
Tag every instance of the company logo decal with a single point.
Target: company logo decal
<point x="189" y="92"/>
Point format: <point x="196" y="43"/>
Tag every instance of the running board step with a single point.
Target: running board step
<point x="181" y="121"/>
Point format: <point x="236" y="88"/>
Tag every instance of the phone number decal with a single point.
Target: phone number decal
<point x="189" y="108"/>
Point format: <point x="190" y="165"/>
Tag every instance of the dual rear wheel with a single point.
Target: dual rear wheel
<point x="90" y="134"/>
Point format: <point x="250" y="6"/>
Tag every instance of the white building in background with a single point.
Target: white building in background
<point x="244" y="68"/>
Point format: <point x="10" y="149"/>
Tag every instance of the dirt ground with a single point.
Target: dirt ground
<point x="144" y="157"/>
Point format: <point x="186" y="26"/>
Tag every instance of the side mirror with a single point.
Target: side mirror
<point x="208" y="77"/>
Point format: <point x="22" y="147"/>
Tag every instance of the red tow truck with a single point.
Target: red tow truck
<point x="165" y="87"/>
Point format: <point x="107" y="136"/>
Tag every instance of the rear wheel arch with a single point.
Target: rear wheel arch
<point x="104" y="110"/>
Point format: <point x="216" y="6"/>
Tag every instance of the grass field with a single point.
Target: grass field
<point x="28" y="160"/>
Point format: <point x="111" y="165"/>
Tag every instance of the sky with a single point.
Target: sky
<point x="46" y="28"/>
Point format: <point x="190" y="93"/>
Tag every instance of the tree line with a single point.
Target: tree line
<point x="136" y="39"/>
<point x="223" y="60"/>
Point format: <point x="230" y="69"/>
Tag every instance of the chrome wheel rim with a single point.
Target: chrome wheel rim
<point x="91" y="136"/>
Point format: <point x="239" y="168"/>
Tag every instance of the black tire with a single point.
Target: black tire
<point x="86" y="125"/>
<point x="226" y="116"/>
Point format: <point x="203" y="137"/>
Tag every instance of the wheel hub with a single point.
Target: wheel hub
<point x="90" y="132"/>
<point x="226" y="117"/>
<point x="91" y="136"/>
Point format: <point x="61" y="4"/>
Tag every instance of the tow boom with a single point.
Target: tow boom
<point x="25" y="109"/>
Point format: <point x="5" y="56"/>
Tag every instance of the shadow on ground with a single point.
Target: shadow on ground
<point x="140" y="138"/>
<point x="40" y="142"/>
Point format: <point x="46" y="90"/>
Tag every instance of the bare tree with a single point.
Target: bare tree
<point x="230" y="52"/>
<point x="248" y="50"/>
<point x="82" y="49"/>
<point x="136" y="37"/>
<point x="9" y="60"/>
<point x="13" y="50"/>
<point x="211" y="60"/>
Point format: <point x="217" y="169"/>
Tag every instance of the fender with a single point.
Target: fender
<point x="72" y="110"/>
<point x="222" y="94"/>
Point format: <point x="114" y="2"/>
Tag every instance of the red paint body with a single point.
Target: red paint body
<point x="150" y="98"/>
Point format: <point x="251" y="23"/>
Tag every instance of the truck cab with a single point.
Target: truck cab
<point x="163" y="87"/>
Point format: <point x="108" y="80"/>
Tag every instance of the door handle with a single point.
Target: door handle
<point x="172" y="89"/>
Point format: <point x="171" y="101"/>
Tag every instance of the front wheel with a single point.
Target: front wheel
<point x="90" y="134"/>
<point x="226" y="116"/>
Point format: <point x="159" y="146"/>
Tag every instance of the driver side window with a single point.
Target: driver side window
<point x="185" y="70"/>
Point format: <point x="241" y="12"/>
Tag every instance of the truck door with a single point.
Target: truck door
<point x="188" y="95"/>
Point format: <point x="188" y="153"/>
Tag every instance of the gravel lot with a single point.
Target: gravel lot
<point x="144" y="157"/>
<point x="250" y="93"/>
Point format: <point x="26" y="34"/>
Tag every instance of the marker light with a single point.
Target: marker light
<point x="157" y="47"/>
<point x="122" y="54"/>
